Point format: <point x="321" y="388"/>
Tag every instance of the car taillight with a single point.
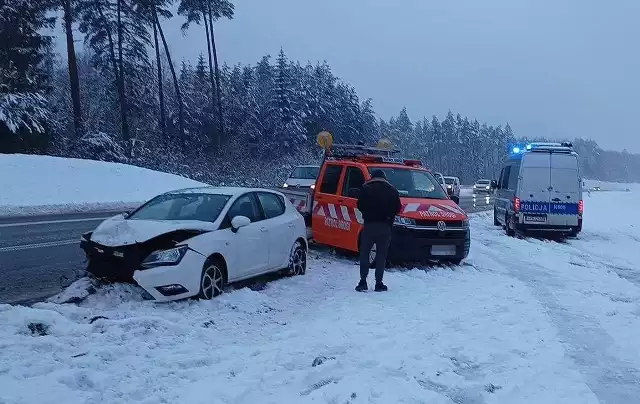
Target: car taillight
<point x="580" y="206"/>
<point x="516" y="205"/>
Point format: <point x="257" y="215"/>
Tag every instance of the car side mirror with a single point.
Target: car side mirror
<point x="455" y="199"/>
<point x="353" y="193"/>
<point x="239" y="221"/>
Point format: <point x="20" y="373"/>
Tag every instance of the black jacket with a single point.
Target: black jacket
<point x="379" y="201"/>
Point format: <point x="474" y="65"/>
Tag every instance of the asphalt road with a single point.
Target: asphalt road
<point x="40" y="255"/>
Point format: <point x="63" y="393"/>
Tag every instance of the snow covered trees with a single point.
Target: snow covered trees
<point x="23" y="78"/>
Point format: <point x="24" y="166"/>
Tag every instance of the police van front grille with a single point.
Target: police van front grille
<point x="434" y="223"/>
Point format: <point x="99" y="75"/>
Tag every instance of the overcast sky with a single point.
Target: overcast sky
<point x="557" y="68"/>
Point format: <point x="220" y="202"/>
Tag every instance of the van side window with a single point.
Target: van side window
<point x="504" y="184"/>
<point x="330" y="179"/>
<point x="513" y="177"/>
<point x="353" y="178"/>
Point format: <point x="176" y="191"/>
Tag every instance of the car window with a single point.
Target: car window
<point x="354" y="178"/>
<point x="305" y="173"/>
<point x="449" y="180"/>
<point x="412" y="183"/>
<point x="513" y="177"/>
<point x="187" y="206"/>
<point x="245" y="206"/>
<point x="505" y="177"/>
<point x="330" y="179"/>
<point x="272" y="205"/>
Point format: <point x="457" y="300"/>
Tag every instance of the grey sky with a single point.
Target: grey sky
<point x="549" y="67"/>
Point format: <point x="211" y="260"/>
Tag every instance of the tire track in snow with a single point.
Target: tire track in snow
<point x="610" y="378"/>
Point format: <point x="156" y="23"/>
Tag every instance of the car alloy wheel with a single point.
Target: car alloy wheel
<point x="212" y="282"/>
<point x="298" y="261"/>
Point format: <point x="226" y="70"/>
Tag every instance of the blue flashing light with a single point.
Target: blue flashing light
<point x="528" y="147"/>
<point x="516" y="150"/>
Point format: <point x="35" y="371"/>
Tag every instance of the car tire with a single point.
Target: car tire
<point x="454" y="262"/>
<point x="510" y="232"/>
<point x="212" y="280"/>
<point x="297" y="260"/>
<point x="496" y="222"/>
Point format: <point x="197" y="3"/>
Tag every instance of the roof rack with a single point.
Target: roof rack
<point x="355" y="151"/>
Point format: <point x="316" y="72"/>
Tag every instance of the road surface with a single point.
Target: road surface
<point x="40" y="255"/>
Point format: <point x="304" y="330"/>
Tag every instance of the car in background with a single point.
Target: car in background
<point x="483" y="186"/>
<point x="302" y="177"/>
<point x="453" y="186"/>
<point x="440" y="179"/>
<point x="192" y="242"/>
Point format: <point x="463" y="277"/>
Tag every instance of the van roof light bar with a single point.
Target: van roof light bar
<point x="565" y="147"/>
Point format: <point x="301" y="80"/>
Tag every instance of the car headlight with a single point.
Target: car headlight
<point x="403" y="221"/>
<point x="171" y="256"/>
<point x="285" y="185"/>
<point x="312" y="186"/>
<point x="487" y="187"/>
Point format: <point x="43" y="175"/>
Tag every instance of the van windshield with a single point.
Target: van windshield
<point x="412" y="183"/>
<point x="449" y="180"/>
<point x="305" y="173"/>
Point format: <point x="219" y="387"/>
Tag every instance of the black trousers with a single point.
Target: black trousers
<point x="380" y="235"/>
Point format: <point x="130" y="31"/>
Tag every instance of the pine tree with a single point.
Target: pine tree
<point x="23" y="80"/>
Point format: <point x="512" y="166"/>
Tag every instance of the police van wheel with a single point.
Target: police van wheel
<point x="507" y="222"/>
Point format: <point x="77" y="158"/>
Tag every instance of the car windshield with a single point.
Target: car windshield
<point x="483" y="182"/>
<point x="412" y="183"/>
<point x="305" y="173"/>
<point x="187" y="206"/>
<point x="449" y="180"/>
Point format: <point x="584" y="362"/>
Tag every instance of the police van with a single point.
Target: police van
<point x="540" y="190"/>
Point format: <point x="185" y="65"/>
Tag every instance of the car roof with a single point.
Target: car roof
<point x="449" y="176"/>
<point x="483" y="180"/>
<point x="230" y="191"/>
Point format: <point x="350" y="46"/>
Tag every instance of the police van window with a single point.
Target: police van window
<point x="272" y="204"/>
<point x="505" y="177"/>
<point x="354" y="178"/>
<point x="513" y="177"/>
<point x="330" y="179"/>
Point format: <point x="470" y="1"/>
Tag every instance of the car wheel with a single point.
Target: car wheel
<point x="212" y="281"/>
<point x="454" y="262"/>
<point x="496" y="222"/>
<point x="510" y="232"/>
<point x="297" y="260"/>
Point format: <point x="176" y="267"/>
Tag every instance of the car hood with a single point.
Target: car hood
<point x="118" y="231"/>
<point x="434" y="209"/>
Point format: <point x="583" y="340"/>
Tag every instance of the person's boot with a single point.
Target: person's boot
<point x="381" y="287"/>
<point x="362" y="286"/>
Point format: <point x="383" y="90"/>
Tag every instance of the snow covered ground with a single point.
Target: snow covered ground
<point x="524" y="321"/>
<point x="32" y="184"/>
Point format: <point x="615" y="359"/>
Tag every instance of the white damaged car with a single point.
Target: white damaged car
<point x="192" y="242"/>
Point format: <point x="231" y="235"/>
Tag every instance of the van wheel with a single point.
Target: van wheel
<point x="496" y="222"/>
<point x="507" y="222"/>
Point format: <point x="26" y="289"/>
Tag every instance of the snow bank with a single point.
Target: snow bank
<point x="524" y="321"/>
<point x="33" y="184"/>
<point x="612" y="186"/>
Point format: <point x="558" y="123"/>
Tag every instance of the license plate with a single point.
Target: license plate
<point x="440" y="250"/>
<point x="538" y="219"/>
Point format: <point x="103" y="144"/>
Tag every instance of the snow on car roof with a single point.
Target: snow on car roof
<point x="230" y="191"/>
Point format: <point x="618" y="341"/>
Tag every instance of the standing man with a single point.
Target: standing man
<point x="379" y="203"/>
